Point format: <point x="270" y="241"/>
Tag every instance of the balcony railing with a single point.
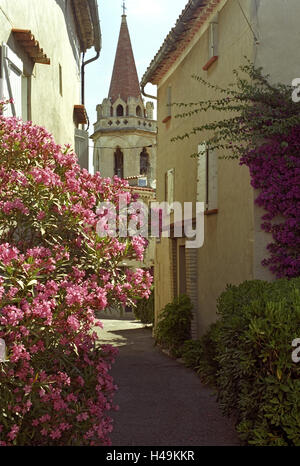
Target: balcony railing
<point x="126" y="122"/>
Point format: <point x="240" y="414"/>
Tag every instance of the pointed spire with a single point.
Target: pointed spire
<point x="124" y="81"/>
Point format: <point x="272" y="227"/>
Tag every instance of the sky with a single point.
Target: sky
<point x="149" y="22"/>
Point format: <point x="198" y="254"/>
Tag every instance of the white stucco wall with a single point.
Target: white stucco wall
<point x="277" y="26"/>
<point x="52" y="24"/>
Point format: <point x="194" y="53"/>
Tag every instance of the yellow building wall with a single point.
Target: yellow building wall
<point x="52" y="24"/>
<point x="227" y="254"/>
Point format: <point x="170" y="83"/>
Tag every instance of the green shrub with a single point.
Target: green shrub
<point x="192" y="353"/>
<point x="249" y="356"/>
<point x="174" y="325"/>
<point x="208" y="366"/>
<point x="144" y="311"/>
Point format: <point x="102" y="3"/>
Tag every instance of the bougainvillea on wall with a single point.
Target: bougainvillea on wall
<point x="55" y="273"/>
<point x="275" y="172"/>
<point x="259" y="124"/>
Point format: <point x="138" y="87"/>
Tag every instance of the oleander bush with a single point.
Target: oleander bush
<point x="248" y="356"/>
<point x="55" y="273"/>
<point x="174" y="325"/>
<point x="144" y="309"/>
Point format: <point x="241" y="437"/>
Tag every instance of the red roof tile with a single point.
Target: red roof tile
<point x="124" y="81"/>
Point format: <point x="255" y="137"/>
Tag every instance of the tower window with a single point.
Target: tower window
<point x="138" y="111"/>
<point x="119" y="163"/>
<point x="144" y="162"/>
<point x="120" y="110"/>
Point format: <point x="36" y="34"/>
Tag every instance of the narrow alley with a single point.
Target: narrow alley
<point x="162" y="403"/>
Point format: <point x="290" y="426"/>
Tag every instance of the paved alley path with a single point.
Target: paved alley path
<point x="162" y="403"/>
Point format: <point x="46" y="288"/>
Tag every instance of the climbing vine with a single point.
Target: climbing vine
<point x="261" y="129"/>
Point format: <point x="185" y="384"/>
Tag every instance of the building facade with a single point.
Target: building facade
<point x="211" y="39"/>
<point x="42" y="42"/>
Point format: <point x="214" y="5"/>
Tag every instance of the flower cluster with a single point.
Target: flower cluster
<point x="55" y="274"/>
<point x="275" y="172"/>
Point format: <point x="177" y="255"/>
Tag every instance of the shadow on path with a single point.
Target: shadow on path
<point x="162" y="403"/>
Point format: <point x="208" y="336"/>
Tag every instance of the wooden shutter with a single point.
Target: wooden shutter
<point x="201" y="173"/>
<point x="170" y="186"/>
<point x="207" y="177"/>
<point x="213" y="40"/>
<point x="82" y="147"/>
<point x="213" y="180"/>
<point x="169" y="101"/>
<point x="11" y="73"/>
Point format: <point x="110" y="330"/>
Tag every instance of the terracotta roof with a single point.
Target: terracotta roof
<point x="134" y="177"/>
<point x="88" y="24"/>
<point x="139" y="188"/>
<point x="31" y="46"/>
<point x="124" y="81"/>
<point x="80" y="115"/>
<point x="188" y="24"/>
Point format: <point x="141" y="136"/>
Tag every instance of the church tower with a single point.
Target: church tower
<point x="125" y="132"/>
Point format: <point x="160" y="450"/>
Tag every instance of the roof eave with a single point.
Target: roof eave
<point x="176" y="33"/>
<point x="88" y="24"/>
<point x="96" y="24"/>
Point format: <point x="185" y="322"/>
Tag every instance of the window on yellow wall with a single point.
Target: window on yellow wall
<point x="169" y="101"/>
<point x="168" y="113"/>
<point x="207" y="177"/>
<point x="213" y="40"/>
<point x="212" y="43"/>
<point x="169" y="186"/>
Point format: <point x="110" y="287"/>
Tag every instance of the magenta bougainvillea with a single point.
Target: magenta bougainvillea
<point x="259" y="124"/>
<point x="55" y="274"/>
<point x="275" y="173"/>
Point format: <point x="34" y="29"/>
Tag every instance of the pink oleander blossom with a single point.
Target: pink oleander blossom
<point x="55" y="274"/>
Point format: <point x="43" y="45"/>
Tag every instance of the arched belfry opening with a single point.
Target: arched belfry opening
<point x="138" y="111"/>
<point x="120" y="110"/>
<point x="144" y="162"/>
<point x="119" y="163"/>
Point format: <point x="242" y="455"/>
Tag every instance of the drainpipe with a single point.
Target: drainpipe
<point x="147" y="95"/>
<point x="97" y="45"/>
<point x="84" y="63"/>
